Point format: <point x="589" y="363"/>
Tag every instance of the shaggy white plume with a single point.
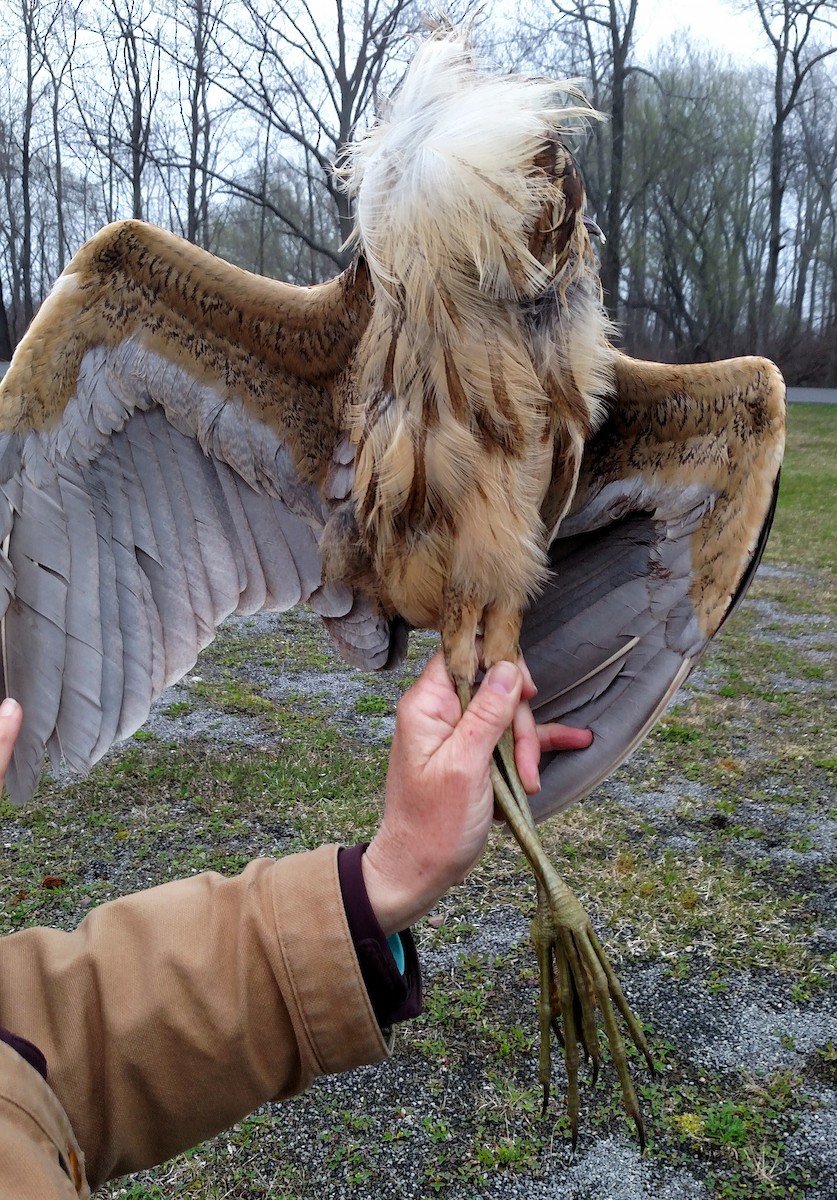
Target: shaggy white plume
<point x="444" y="184"/>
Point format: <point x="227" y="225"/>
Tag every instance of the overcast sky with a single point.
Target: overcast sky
<point x="712" y="21"/>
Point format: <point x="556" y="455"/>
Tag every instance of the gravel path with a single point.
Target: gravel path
<point x="442" y="1119"/>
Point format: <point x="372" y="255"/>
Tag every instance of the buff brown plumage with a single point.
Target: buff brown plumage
<point x="443" y="436"/>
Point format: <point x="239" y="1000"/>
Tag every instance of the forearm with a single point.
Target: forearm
<point x="169" y="1015"/>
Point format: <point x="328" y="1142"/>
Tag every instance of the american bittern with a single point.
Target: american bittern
<point x="440" y="437"/>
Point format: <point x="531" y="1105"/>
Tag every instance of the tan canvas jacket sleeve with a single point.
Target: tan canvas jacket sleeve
<point x="170" y="1014"/>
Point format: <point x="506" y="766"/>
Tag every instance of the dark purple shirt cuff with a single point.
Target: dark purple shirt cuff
<point x="31" y="1053"/>
<point x="394" y="996"/>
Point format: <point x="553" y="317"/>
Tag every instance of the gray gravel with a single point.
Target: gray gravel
<point x="750" y="1031"/>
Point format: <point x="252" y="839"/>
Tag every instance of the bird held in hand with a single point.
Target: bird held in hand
<point x="441" y="437"/>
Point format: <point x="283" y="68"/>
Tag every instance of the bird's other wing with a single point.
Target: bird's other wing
<point x="672" y="511"/>
<point x="167" y="456"/>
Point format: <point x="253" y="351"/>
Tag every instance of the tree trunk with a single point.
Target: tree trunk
<point x="5" y="331"/>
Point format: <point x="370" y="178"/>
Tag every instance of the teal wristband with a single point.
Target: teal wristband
<point x="397" y="949"/>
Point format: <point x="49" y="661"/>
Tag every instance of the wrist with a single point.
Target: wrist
<point x="398" y="891"/>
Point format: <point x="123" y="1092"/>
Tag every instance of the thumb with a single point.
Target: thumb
<point x="492" y="708"/>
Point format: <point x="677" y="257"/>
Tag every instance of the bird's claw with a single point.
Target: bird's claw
<point x="577" y="979"/>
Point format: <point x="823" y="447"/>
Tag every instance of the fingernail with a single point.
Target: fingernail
<point x="9" y="707"/>
<point x="502" y="678"/>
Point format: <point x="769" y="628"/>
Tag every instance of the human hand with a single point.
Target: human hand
<point x="439" y="799"/>
<point x="11" y="715"/>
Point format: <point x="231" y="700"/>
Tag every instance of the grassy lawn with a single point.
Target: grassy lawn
<point x="706" y="862"/>
<point x="805" y="529"/>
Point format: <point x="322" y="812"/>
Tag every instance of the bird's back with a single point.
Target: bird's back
<point x="486" y="348"/>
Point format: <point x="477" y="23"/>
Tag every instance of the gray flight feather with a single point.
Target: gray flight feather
<point x="148" y="514"/>
<point x="611" y="639"/>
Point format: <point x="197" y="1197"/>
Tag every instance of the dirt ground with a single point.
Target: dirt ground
<point x="706" y="863"/>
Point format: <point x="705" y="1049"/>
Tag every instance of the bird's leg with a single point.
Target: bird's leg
<point x="542" y="934"/>
<point x="575" y="974"/>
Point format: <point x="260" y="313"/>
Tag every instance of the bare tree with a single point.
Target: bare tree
<point x="313" y="82"/>
<point x="192" y="50"/>
<point x="56" y="43"/>
<point x="791" y="27"/>
<point x="36" y="21"/>
<point x="5" y="332"/>
<point x="694" y="245"/>
<point x="118" y="116"/>
<point x="226" y="123"/>
<point x="594" y="39"/>
<point x="807" y="321"/>
<point x="204" y="24"/>
<point x="29" y="141"/>
<point x="6" y="344"/>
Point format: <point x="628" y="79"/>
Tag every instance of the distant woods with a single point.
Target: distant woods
<point x="713" y="180"/>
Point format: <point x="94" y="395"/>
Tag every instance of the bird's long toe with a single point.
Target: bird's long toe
<point x="576" y="977"/>
<point x="587" y="983"/>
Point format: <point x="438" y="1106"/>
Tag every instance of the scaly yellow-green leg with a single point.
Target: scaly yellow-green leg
<point x="576" y="977"/>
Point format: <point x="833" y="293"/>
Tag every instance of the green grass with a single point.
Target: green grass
<point x="805" y="528"/>
<point x="704" y="861"/>
<point x="377" y="706"/>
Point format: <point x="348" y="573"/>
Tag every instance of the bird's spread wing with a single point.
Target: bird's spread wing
<point x="168" y="454"/>
<point x="672" y="511"/>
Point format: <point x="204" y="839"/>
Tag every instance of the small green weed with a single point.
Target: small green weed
<point x="377" y="706"/>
